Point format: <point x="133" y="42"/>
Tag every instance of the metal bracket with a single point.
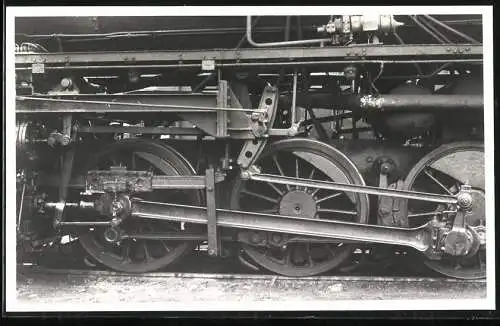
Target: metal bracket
<point x="295" y="125"/>
<point x="222" y="101"/>
<point x="66" y="170"/>
<point x="118" y="179"/>
<point x="64" y="138"/>
<point x="213" y="237"/>
<point x="252" y="148"/>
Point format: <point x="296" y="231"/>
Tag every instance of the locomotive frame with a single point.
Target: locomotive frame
<point x="240" y="136"/>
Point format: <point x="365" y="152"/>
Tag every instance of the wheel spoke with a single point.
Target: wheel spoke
<point x="278" y="166"/>
<point x="442" y="186"/>
<point x="310" y="177"/>
<point x="264" y="197"/>
<point x="315" y="191"/>
<point x="330" y="250"/>
<point x="126" y="252"/>
<point x="297" y="172"/>
<point x="147" y="254"/>
<point x="328" y="197"/>
<point x="288" y="256"/>
<point x="164" y="244"/>
<point x="275" y="188"/>
<point x="309" y="256"/>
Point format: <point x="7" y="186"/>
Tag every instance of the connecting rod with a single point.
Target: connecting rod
<point x="417" y="238"/>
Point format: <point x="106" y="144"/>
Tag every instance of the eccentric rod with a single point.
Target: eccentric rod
<point x="445" y="199"/>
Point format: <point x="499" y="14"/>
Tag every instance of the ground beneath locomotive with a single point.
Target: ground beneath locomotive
<point x="37" y="288"/>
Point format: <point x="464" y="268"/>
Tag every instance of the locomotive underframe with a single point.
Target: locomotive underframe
<point x="223" y="118"/>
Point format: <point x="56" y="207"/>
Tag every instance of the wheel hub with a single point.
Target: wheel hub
<point x="298" y="203"/>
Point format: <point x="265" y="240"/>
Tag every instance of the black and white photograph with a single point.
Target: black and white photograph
<point x="249" y="158"/>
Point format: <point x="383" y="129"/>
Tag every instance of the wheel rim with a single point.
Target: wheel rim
<point x="135" y="255"/>
<point x="438" y="173"/>
<point x="310" y="159"/>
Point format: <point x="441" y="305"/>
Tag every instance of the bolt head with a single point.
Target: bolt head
<point x="65" y="140"/>
<point x="66" y="82"/>
<point x="464" y="200"/>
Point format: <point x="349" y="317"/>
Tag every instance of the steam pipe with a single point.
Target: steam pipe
<point x="420" y="102"/>
<point x="286" y="43"/>
<point x="391" y="103"/>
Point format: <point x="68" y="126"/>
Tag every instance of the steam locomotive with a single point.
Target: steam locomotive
<point x="288" y="141"/>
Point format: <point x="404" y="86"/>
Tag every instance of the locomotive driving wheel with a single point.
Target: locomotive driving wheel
<point x="444" y="170"/>
<point x="138" y="255"/>
<point x="309" y="159"/>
